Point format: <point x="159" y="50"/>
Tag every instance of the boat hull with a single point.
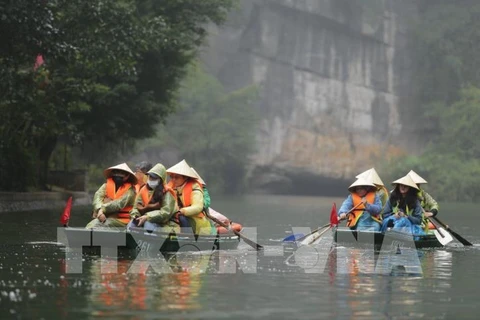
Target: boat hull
<point x="147" y="241"/>
<point x="378" y="239"/>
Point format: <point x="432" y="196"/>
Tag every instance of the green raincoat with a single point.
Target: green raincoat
<point x="168" y="206"/>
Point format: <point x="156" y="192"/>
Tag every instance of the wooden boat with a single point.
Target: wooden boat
<point x="139" y="239"/>
<point x="344" y="235"/>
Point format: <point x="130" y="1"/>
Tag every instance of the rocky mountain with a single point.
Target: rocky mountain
<point x="335" y="79"/>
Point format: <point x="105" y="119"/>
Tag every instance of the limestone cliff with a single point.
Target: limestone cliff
<point x="334" y="78"/>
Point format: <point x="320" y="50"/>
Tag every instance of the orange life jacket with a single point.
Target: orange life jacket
<point x="123" y="215"/>
<point x="147" y="195"/>
<point x="138" y="186"/>
<point x="187" y="195"/>
<point x="353" y="217"/>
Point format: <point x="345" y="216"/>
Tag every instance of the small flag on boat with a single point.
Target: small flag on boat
<point x="333" y="216"/>
<point x="66" y="212"/>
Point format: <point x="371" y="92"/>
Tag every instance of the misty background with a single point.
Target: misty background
<point x="291" y="97"/>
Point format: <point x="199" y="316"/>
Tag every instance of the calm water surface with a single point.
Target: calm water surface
<point x="324" y="282"/>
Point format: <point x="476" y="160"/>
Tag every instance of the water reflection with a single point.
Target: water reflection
<point x="125" y="290"/>
<point x="401" y="291"/>
<point x="34" y="285"/>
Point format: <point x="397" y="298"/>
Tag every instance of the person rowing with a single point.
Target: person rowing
<point x="366" y="205"/>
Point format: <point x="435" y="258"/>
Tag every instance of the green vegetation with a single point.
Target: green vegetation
<point x="112" y="68"/>
<point x="448" y="81"/>
<point x="213" y="130"/>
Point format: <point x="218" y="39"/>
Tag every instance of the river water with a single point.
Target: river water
<point x="324" y="282"/>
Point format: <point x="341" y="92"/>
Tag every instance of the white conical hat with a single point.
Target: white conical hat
<point x="183" y="169"/>
<point x="122" y="167"/>
<point x="360" y="182"/>
<point x="416" y="178"/>
<point x="372" y="176"/>
<point x="198" y="177"/>
<point x="406" y="181"/>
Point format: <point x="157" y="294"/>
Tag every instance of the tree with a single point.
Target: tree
<point x="447" y="42"/>
<point x="110" y="74"/>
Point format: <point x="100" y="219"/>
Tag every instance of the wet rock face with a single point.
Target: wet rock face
<point x="334" y="76"/>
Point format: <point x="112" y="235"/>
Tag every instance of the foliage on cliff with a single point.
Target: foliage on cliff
<point x="213" y="130"/>
<point x="448" y="81"/>
<point x="111" y="69"/>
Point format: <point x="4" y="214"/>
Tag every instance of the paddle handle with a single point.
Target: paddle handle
<point x="464" y="241"/>
<point x="436" y="225"/>
<point x="254" y="245"/>
<point x="350" y="211"/>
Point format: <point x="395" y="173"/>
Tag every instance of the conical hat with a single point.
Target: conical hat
<point x="372" y="176"/>
<point x="183" y="169"/>
<point x="406" y="181"/>
<point x="360" y="182"/>
<point x="122" y="167"/>
<point x="416" y="178"/>
<point x="198" y="177"/>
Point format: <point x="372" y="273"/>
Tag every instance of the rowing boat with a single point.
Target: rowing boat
<point x="346" y="236"/>
<point x="139" y="239"/>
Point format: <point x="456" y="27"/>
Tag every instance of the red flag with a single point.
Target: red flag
<point x="66" y="213"/>
<point x="333" y="216"/>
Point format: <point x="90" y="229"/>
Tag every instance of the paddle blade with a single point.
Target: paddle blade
<point x="66" y="212"/>
<point x="293" y="237"/>
<point x="313" y="238"/>
<point x="443" y="236"/>
<point x="333" y="216"/>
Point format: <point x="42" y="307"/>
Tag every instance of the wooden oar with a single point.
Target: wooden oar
<point x="314" y="237"/>
<point x="300" y="237"/>
<point x="333" y="222"/>
<point x="254" y="245"/>
<point x="464" y="241"/>
<point x="442" y="235"/>
<point x="292" y="238"/>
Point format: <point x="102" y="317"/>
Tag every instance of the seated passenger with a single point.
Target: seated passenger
<point x="141" y="170"/>
<point x="372" y="176"/>
<point x="155" y="205"/>
<point x="206" y="194"/>
<point x="403" y="211"/>
<point x="114" y="199"/>
<point x="189" y="197"/>
<point x="366" y="207"/>
<point x="428" y="203"/>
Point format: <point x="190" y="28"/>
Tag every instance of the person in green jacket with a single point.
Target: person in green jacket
<point x="428" y="203"/>
<point x="189" y="193"/>
<point x="113" y="201"/>
<point x="155" y="204"/>
<point x="206" y="194"/>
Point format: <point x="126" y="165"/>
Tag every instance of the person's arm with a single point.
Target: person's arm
<point x="118" y="204"/>
<point x="135" y="212"/>
<point x="416" y="216"/>
<point x="166" y="211"/>
<point x="345" y="207"/>
<point x="98" y="198"/>
<point x="430" y="204"/>
<point x="197" y="204"/>
<point x="374" y="208"/>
